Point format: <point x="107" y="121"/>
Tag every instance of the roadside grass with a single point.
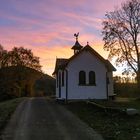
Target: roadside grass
<point x="6" y="110"/>
<point x="112" y="125"/>
<point x="121" y="103"/>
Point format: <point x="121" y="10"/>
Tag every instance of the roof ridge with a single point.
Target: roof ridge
<point x="62" y="65"/>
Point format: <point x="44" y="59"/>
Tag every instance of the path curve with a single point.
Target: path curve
<point x="41" y="119"/>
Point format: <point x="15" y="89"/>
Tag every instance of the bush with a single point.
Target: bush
<point x="5" y="96"/>
<point x="126" y="90"/>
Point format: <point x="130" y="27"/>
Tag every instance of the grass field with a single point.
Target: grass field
<point x="112" y="125"/>
<point x="6" y="110"/>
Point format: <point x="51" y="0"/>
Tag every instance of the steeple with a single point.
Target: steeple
<point x="77" y="47"/>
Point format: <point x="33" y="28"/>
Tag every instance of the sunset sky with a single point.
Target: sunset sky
<point x="47" y="26"/>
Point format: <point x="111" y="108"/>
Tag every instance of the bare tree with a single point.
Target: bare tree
<point x="121" y="34"/>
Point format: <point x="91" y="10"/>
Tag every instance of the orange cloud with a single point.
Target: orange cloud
<point x="48" y="55"/>
<point x="47" y="27"/>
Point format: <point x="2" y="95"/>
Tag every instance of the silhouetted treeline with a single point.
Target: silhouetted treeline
<point x="18" y="81"/>
<point x="19" y="71"/>
<point x="125" y="79"/>
<point x="19" y="56"/>
<point x="126" y="90"/>
<point x="126" y="87"/>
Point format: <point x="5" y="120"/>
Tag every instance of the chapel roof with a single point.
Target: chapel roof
<point x="77" y="46"/>
<point x="62" y="63"/>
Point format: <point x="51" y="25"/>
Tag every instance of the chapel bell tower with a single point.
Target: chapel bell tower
<point x="77" y="47"/>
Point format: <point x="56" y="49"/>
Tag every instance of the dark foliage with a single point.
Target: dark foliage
<point x="126" y="90"/>
<point x="45" y="86"/>
<point x="18" y="81"/>
<point x="19" y="56"/>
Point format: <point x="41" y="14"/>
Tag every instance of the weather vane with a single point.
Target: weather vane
<point x="76" y="35"/>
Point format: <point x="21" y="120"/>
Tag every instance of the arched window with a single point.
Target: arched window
<point x="82" y="78"/>
<point x="92" y="78"/>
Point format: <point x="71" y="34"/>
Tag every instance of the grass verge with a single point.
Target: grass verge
<point x="127" y="103"/>
<point x="112" y="125"/>
<point x="6" y="110"/>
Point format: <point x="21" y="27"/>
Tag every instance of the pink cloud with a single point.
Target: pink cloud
<point x="47" y="27"/>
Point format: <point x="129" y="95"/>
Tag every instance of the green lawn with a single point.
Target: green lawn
<point x="111" y="124"/>
<point x="6" y="110"/>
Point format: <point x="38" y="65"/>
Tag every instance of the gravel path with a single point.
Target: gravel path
<point x="41" y="119"/>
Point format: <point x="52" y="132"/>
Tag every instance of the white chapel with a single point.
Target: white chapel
<point x="85" y="75"/>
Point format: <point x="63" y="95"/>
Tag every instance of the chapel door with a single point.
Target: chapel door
<point x="59" y="85"/>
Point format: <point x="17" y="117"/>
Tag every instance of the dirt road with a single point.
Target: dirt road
<point x="39" y="119"/>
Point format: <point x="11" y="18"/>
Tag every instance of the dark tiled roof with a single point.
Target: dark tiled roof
<point x="109" y="66"/>
<point x="62" y="63"/>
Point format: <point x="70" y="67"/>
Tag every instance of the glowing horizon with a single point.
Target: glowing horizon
<point x="47" y="26"/>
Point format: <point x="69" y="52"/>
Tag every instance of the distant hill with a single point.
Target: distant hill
<point x="23" y="81"/>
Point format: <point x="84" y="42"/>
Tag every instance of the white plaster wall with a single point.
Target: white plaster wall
<point x="110" y="85"/>
<point x="63" y="88"/>
<point x="86" y="62"/>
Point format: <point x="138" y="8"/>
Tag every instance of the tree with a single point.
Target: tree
<point x="3" y="55"/>
<point x="24" y="57"/>
<point x="19" y="57"/>
<point x="117" y="79"/>
<point x="121" y="34"/>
